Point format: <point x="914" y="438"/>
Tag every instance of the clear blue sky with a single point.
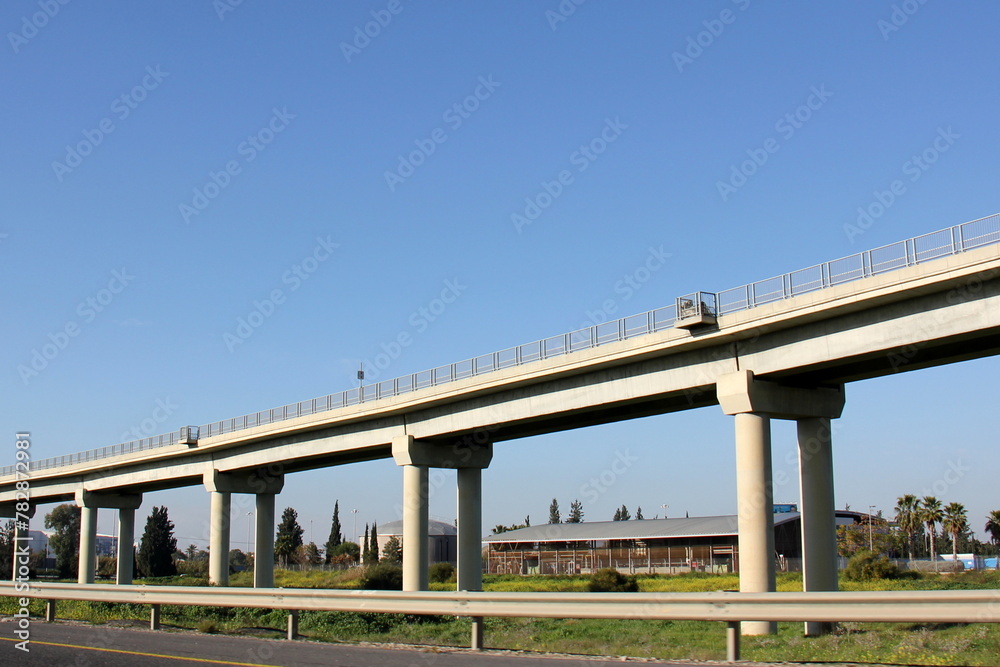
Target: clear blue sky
<point x="204" y="154"/>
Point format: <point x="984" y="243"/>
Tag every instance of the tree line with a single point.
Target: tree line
<point x="575" y="516"/>
<point x="913" y="533"/>
<point x="157" y="554"/>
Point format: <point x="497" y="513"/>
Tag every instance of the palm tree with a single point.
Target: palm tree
<point x="955" y="523"/>
<point x="908" y="518"/>
<point x="993" y="528"/>
<point x="931" y="515"/>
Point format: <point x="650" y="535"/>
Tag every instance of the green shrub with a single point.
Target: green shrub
<point x="208" y="626"/>
<point x="382" y="577"/>
<point x="442" y="573"/>
<point x="869" y="566"/>
<point x="610" y="580"/>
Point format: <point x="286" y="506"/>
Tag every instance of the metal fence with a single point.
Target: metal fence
<point x="949" y="241"/>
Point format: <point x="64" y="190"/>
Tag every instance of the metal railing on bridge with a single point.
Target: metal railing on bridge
<point x="916" y="250"/>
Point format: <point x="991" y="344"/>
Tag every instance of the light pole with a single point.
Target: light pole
<point x="664" y="508"/>
<point x="249" y="516"/>
<point x="355" y="513"/>
<point x="871" y="510"/>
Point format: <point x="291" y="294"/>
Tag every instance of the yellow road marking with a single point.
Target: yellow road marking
<point x="147" y="655"/>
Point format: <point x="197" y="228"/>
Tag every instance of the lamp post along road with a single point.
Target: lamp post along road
<point x="871" y="543"/>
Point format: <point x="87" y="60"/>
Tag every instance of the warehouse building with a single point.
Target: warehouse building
<point x="654" y="546"/>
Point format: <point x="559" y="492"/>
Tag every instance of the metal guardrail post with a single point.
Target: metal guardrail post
<point x="732" y="641"/>
<point x="293" y="624"/>
<point x="50" y="611"/>
<point x="478" y="623"/>
<point x="154" y="617"/>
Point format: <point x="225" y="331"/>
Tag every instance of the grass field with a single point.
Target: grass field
<point x="899" y="644"/>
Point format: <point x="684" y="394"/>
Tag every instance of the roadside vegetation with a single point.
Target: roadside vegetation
<point x="898" y="644"/>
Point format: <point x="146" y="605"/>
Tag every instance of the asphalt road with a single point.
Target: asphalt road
<point x="77" y="645"/>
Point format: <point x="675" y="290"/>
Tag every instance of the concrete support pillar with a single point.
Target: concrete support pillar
<point x="126" y="504"/>
<point x="819" y="525"/>
<point x="22" y="536"/>
<point x="218" y="550"/>
<point x="470" y="541"/>
<point x="754" y="402"/>
<point x="756" y="511"/>
<point x="126" y="551"/>
<point x="88" y="545"/>
<point x="469" y="458"/>
<point x="221" y="485"/>
<point x="416" y="559"/>
<point x="263" y="560"/>
<point x="470" y="529"/>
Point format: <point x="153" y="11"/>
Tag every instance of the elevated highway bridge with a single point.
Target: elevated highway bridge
<point x="780" y="348"/>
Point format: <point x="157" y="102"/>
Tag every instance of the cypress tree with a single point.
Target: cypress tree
<point x="373" y="546"/>
<point x="575" y="512"/>
<point x="289" y="537"/>
<point x="156" y="550"/>
<point x="336" y="538"/>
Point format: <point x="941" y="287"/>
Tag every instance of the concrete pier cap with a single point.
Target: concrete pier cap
<point x="741" y="392"/>
<point x="9" y="511"/>
<point x="118" y="501"/>
<point x="408" y="451"/>
<point x="243" y="481"/>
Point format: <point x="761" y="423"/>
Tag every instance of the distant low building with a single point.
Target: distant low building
<point x="106" y="545"/>
<point x="668" y="546"/>
<point x="442" y="539"/>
